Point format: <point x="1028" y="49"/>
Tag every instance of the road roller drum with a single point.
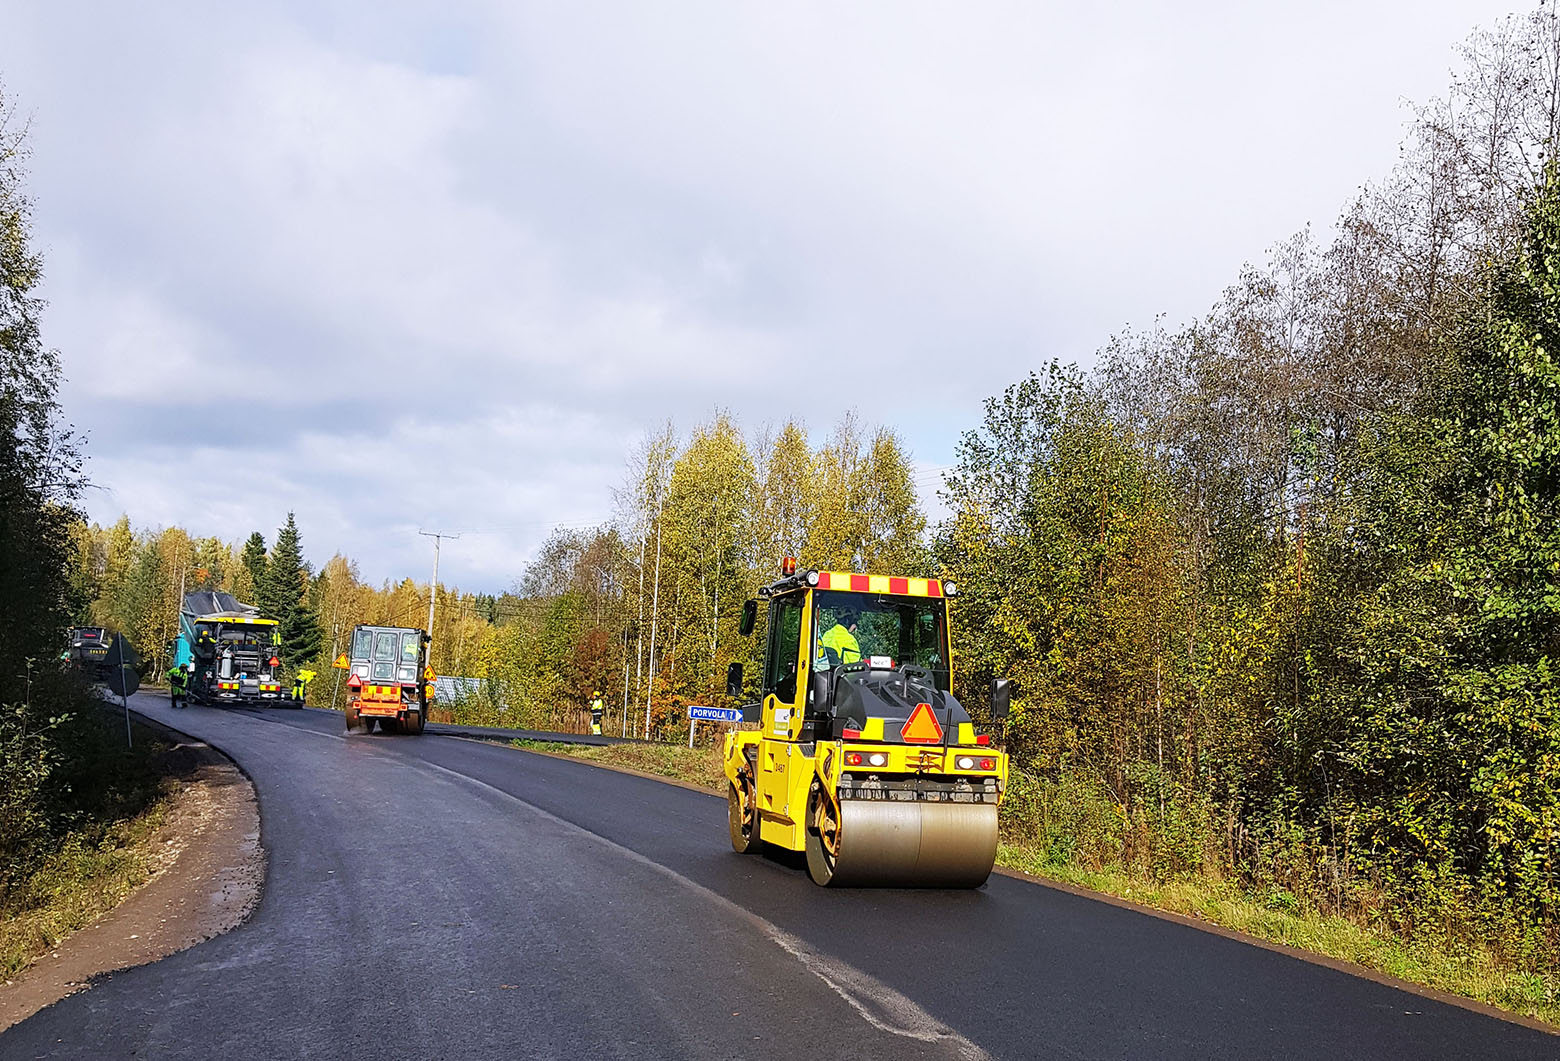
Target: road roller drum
<point x="899" y="844"/>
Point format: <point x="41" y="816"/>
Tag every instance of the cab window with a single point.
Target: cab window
<point x="785" y="639"/>
<point x="409" y="646"/>
<point x="904" y="630"/>
<point x="362" y="644"/>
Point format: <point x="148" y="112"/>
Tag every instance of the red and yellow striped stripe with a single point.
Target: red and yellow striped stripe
<point x="382" y="692"/>
<point x="904" y="587"/>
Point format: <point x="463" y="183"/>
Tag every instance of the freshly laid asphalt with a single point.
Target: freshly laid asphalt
<point x="434" y="897"/>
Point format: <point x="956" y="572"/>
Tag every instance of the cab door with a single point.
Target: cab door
<point x="784" y="688"/>
<point x="409" y="671"/>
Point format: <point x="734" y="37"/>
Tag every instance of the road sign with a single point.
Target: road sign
<point x="124" y="681"/>
<point x="715" y="714"/>
<point x="121" y="651"/>
<point x="342" y="662"/>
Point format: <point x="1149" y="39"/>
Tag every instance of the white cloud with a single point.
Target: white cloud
<point x="449" y="262"/>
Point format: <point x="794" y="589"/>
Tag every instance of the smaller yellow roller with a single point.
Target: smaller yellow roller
<point x="863" y="757"/>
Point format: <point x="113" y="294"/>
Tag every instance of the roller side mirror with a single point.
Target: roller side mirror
<point x="734" y="680"/>
<point x="749" y="617"/>
<point x="1001" y="698"/>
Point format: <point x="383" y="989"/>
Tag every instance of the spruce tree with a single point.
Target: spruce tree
<point x="281" y="597"/>
<point x="253" y="558"/>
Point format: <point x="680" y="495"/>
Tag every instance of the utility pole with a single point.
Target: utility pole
<point x="655" y="613"/>
<point x="715" y="611"/>
<point x="625" y="685"/>
<point x="639" y="634"/>
<point x="433" y="589"/>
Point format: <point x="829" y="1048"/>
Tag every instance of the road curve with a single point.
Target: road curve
<point x="437" y="897"/>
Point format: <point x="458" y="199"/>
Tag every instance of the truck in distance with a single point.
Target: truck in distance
<point x="88" y="651"/>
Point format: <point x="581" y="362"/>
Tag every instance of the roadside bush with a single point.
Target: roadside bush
<point x="27" y="760"/>
<point x="66" y="774"/>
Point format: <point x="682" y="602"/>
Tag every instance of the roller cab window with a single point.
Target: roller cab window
<point x="385" y="651"/>
<point x="411" y="643"/>
<point x="861" y="632"/>
<point x="785" y="642"/>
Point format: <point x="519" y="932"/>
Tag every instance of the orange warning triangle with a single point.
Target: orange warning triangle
<point x="922" y="726"/>
<point x="342" y="662"/>
<point x="428" y="674"/>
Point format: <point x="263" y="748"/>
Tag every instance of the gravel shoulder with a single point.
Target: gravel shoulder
<point x="209" y="871"/>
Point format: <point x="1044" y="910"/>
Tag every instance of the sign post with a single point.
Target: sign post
<point x="697" y="713"/>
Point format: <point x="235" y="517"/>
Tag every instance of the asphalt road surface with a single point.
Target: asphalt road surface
<point x="432" y="897"/>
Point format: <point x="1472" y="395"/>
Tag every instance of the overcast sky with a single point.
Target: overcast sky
<point x="398" y="266"/>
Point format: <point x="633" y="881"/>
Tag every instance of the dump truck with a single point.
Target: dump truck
<point x="390" y="681"/>
<point x="234" y="656"/>
<point x="88" y="651"/>
<point x="863" y="757"/>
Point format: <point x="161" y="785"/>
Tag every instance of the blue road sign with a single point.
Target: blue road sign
<point x="715" y="714"/>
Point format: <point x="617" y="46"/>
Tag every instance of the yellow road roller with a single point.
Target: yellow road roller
<point x="863" y="757"/>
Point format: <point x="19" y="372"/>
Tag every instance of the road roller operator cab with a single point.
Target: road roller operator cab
<point x="864" y="758"/>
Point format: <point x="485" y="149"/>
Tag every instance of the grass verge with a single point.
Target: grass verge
<point x="1460" y="967"/>
<point x="699" y="766"/>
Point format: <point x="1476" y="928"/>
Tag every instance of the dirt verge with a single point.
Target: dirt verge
<point x="209" y="868"/>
